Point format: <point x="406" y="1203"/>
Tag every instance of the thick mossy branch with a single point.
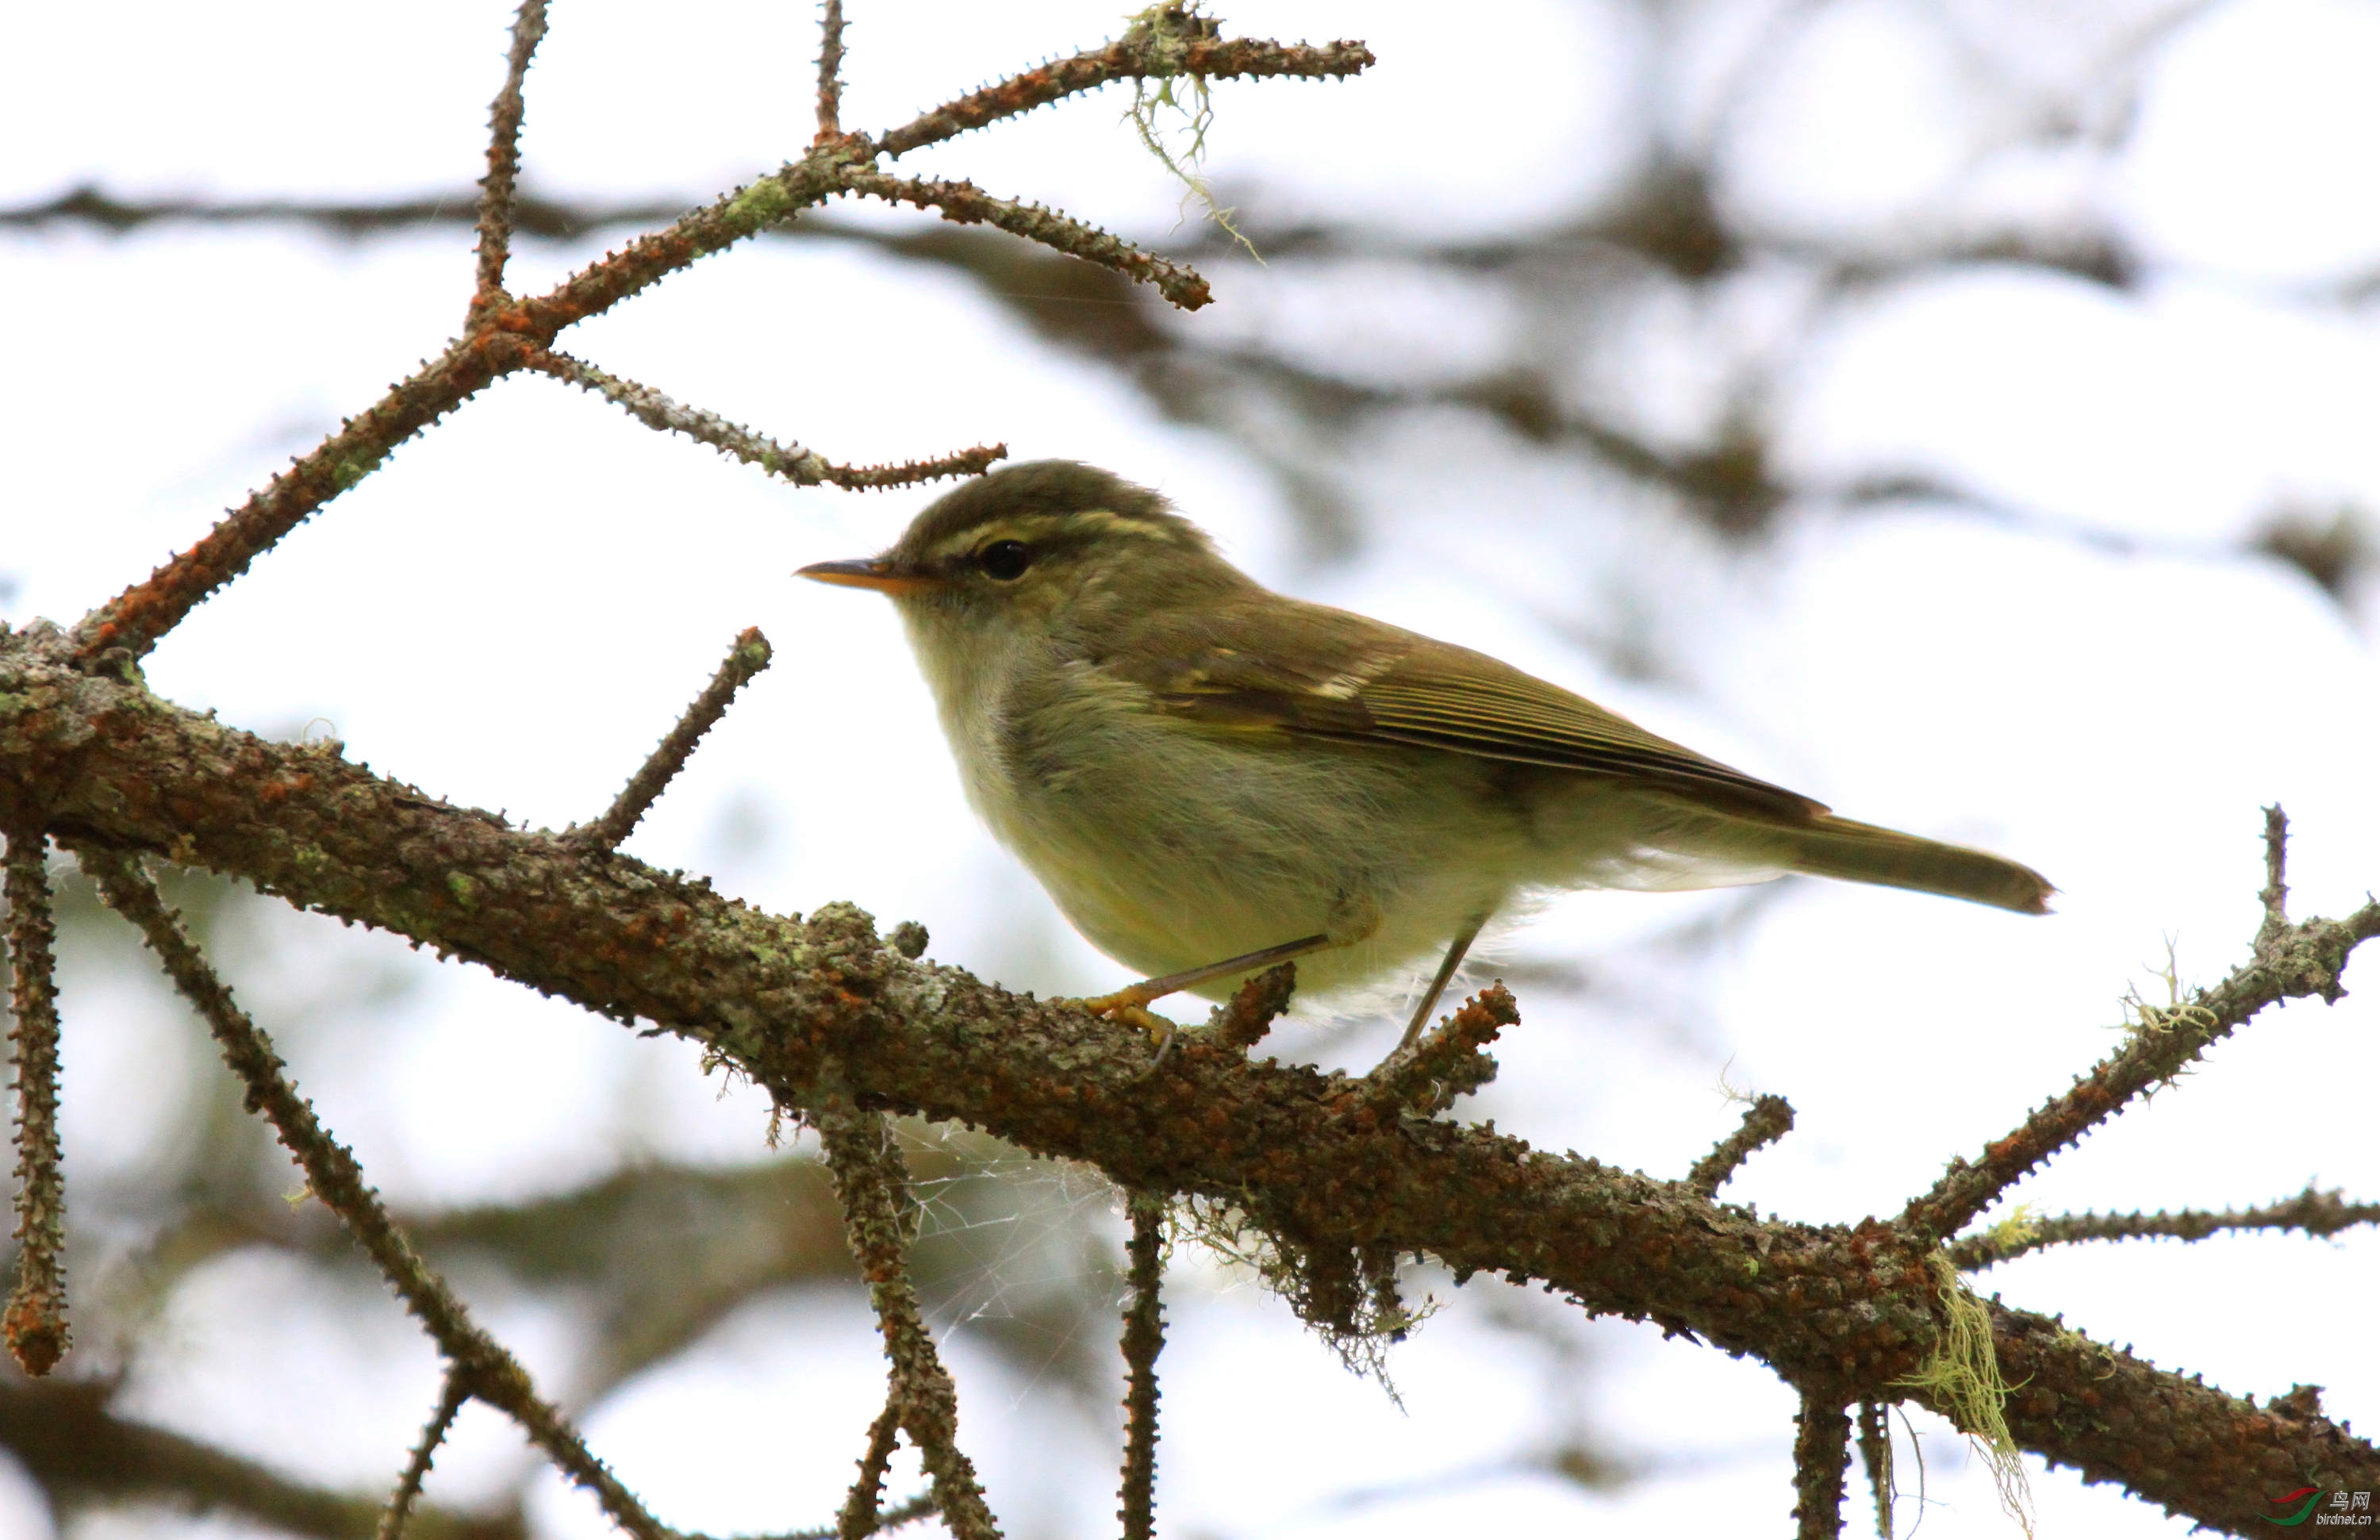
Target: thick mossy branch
<point x="1854" y="1309"/>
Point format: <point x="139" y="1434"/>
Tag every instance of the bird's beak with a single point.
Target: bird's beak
<point x="876" y="573"/>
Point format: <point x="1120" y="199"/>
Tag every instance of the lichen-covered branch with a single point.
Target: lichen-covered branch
<point x="476" y="1360"/>
<point x="1311" y="1156"/>
<point x="36" y="1320"/>
<point x="872" y="1183"/>
<point x="744" y="661"/>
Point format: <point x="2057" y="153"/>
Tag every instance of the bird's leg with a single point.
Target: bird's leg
<point x="1462" y="944"/>
<point x="1130" y="1002"/>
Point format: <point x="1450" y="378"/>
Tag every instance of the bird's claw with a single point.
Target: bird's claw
<point x="1131" y="1007"/>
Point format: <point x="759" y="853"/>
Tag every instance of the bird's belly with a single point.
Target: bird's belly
<point x="1171" y="849"/>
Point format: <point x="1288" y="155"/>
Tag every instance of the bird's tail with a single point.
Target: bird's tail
<point x="1830" y="846"/>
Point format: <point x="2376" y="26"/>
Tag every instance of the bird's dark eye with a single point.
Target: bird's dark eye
<point x="1005" y="560"/>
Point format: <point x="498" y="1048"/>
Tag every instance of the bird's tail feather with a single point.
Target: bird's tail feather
<point x="1830" y="846"/>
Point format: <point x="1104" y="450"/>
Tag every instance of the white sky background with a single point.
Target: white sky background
<point x="524" y="599"/>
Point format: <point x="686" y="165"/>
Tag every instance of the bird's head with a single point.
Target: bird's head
<point x="1049" y="547"/>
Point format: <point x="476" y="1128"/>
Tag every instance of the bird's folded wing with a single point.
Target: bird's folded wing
<point x="1410" y="690"/>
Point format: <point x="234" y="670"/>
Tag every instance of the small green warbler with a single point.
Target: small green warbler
<point x="1210" y="777"/>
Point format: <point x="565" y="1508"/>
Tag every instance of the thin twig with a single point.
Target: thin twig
<point x="746" y="658"/>
<point x="514" y="336"/>
<point x="2289" y="962"/>
<point x="2311" y="1212"/>
<point x="871" y="1181"/>
<point x="963" y="203"/>
<point x="333" y="1176"/>
<point x="2275" y="897"/>
<point x="61" y="1433"/>
<point x="917" y="1507"/>
<point x="1131" y="58"/>
<point x="452" y="1395"/>
<point x="860" y="1517"/>
<point x="803" y="467"/>
<point x="496" y="189"/>
<point x="1767" y="1120"/>
<point x="1822" y="1452"/>
<point x="830" y="90"/>
<point x="1143" y="1338"/>
<point x="1875" y="1454"/>
<point x="35" y="1323"/>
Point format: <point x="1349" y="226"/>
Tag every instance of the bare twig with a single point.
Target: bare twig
<point x="964" y="203"/>
<point x="804" y="468"/>
<point x="452" y="1395"/>
<point x="2289" y="962"/>
<point x="496" y="189"/>
<point x="35" y="1323"/>
<point x="488" y="1371"/>
<point x="860" y="1518"/>
<point x="2275" y="897"/>
<point x="1875" y="1454"/>
<point x="2311" y="1212"/>
<point x="1822" y="1452"/>
<point x="872" y="1182"/>
<point x="830" y="87"/>
<point x="1766" y="1120"/>
<point x="746" y="657"/>
<point x="514" y="334"/>
<point x="1143" y="1338"/>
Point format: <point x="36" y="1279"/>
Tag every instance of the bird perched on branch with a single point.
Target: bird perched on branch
<point x="1210" y="777"/>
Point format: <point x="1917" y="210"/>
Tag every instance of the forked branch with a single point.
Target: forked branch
<point x="476" y="1360"/>
<point x="2289" y="961"/>
<point x="871" y="1182"/>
